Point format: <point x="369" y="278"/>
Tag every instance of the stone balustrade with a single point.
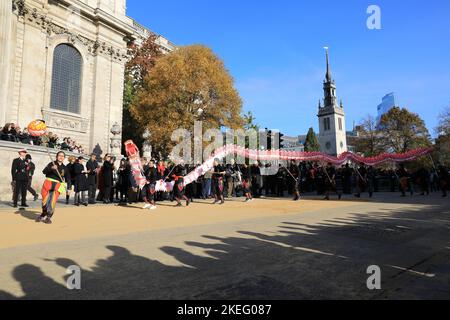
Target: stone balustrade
<point x="9" y="151"/>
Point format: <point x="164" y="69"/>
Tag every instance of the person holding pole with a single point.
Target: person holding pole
<point x="330" y="182"/>
<point x="57" y="175"/>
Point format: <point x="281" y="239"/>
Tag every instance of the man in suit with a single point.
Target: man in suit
<point x="20" y="177"/>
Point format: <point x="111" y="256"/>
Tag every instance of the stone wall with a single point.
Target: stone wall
<point x="9" y="151"/>
<point x="30" y="30"/>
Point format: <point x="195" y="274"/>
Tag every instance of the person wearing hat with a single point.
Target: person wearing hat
<point x="31" y="168"/>
<point x="20" y="178"/>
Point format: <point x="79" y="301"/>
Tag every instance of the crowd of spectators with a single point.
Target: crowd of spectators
<point x="14" y="133"/>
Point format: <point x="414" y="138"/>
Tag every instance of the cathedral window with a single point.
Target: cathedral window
<point x="66" y="79"/>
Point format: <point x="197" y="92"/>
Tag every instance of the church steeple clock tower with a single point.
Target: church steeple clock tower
<point x="332" y="132"/>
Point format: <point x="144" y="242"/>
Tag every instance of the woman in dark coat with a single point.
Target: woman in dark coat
<point x="107" y="178"/>
<point x="80" y="182"/>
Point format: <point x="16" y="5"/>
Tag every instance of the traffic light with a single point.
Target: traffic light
<point x="269" y="140"/>
<point x="281" y="144"/>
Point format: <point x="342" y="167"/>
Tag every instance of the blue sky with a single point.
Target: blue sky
<point x="274" y="51"/>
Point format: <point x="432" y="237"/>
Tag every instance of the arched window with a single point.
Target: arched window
<point x="66" y="79"/>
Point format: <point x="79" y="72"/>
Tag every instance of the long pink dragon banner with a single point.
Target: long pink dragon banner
<point x="281" y="155"/>
<point x="274" y="155"/>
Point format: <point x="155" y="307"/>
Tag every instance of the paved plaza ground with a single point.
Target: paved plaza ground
<point x="267" y="249"/>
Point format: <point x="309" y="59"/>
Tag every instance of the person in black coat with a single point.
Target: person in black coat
<point x="149" y="191"/>
<point x="329" y="177"/>
<point x="92" y="168"/>
<point x="80" y="182"/>
<point x="108" y="168"/>
<point x="218" y="176"/>
<point x="246" y="182"/>
<point x="124" y="183"/>
<point x="179" y="189"/>
<point x="31" y="168"/>
<point x="19" y="174"/>
<point x="71" y="181"/>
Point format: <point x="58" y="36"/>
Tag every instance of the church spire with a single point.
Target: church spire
<point x="328" y="76"/>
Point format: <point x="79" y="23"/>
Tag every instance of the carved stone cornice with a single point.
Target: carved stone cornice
<point x="65" y="121"/>
<point x="48" y="26"/>
<point x="18" y="7"/>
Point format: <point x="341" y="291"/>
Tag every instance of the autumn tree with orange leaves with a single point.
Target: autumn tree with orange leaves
<point x="186" y="85"/>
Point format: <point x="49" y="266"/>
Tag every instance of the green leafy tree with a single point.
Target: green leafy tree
<point x="311" y="142"/>
<point x="250" y="122"/>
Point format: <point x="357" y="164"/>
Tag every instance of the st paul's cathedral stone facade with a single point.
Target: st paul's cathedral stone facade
<point x="63" y="61"/>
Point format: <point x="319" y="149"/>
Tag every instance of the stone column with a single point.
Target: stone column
<point x="5" y="49"/>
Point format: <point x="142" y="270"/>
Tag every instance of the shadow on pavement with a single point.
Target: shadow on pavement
<point x="328" y="260"/>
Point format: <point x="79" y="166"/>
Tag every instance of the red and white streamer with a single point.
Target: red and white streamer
<point x="280" y="155"/>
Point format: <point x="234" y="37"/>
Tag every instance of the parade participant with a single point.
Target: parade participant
<point x="163" y="172"/>
<point x="179" y="187"/>
<point x="80" y="182"/>
<point x="92" y="168"/>
<point x="423" y="176"/>
<point x="108" y="168"/>
<point x="31" y="168"/>
<point x="149" y="191"/>
<point x="20" y="178"/>
<point x="55" y="184"/>
<point x="217" y="182"/>
<point x="361" y="180"/>
<point x="330" y="182"/>
<point x="294" y="172"/>
<point x="347" y="179"/>
<point x="280" y="181"/>
<point x="256" y="179"/>
<point x="404" y="177"/>
<point x="190" y="189"/>
<point x="246" y="178"/>
<point x="443" y="180"/>
<point x="371" y="176"/>
<point x="230" y="177"/>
